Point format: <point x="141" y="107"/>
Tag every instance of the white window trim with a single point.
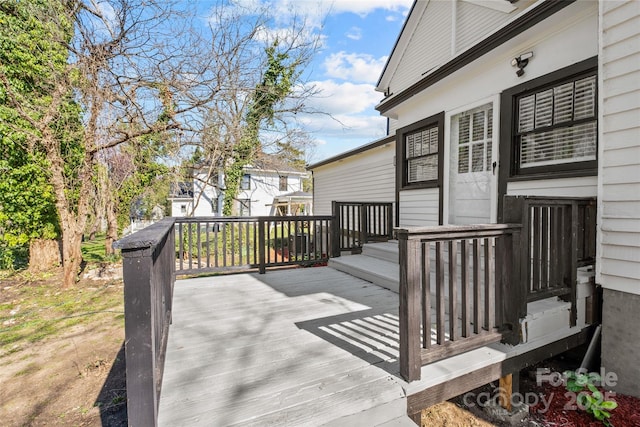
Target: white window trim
<point x="495" y="100"/>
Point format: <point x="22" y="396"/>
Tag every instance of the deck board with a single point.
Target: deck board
<point x="293" y="347"/>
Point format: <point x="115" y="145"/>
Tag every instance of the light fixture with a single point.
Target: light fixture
<point x="521" y="62"/>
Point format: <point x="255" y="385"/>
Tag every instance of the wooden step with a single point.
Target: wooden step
<point x="375" y="270"/>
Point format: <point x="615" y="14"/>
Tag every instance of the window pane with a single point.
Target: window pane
<point x="433" y="140"/>
<point x="477" y="153"/>
<point x="463" y="129"/>
<point x="563" y="98"/>
<point x="478" y="126"/>
<point x="525" y="110"/>
<point x="562" y="145"/>
<point x="463" y="159"/>
<point x="410" y="146"/>
<point x="585" y="101"/>
<point x="544" y="108"/>
<point x="423" y="169"/>
<point x="489" y="154"/>
<point x="490" y="123"/>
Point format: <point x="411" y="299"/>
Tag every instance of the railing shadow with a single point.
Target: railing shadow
<point x="370" y="333"/>
<point x="112" y="399"/>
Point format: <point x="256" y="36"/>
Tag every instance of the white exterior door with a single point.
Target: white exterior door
<point x="472" y="167"/>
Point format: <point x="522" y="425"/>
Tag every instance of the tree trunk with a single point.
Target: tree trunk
<point x="43" y="255"/>
<point x="112" y="227"/>
<point x="71" y="256"/>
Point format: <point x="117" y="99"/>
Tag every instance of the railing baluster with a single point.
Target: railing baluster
<point x="216" y="250"/>
<point x="426" y="295"/>
<point x="224" y="244"/>
<point x="489" y="283"/>
<point x="197" y="226"/>
<point x="466" y="295"/>
<point x="536" y="248"/>
<point x="206" y="230"/>
<point x="544" y="258"/>
<point x="453" y="295"/>
<point x="190" y="248"/>
<point x="440" y="294"/>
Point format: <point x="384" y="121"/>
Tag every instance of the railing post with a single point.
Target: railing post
<point x="364" y="223"/>
<point x="142" y="400"/>
<point x="148" y="264"/>
<point x="516" y="211"/>
<point x="410" y="297"/>
<point x="335" y="229"/>
<point x="262" y="246"/>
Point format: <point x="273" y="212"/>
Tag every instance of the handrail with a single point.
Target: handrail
<point x="358" y="223"/>
<point x="453" y="292"/>
<point x="148" y="270"/>
<point x="217" y="244"/>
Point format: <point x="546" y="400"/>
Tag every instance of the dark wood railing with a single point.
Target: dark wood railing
<point x="453" y="292"/>
<point x="218" y="244"/>
<point x="558" y="236"/>
<point x="148" y="262"/>
<point x="358" y="223"/>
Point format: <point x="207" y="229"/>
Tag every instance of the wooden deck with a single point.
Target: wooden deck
<point x="307" y="346"/>
<point x="312" y="347"/>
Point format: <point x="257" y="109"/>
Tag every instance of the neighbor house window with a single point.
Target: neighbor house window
<point x="245" y="183"/>
<point x="214" y="205"/>
<point x="244" y="207"/>
<point x="419" y="149"/>
<point x="183" y="209"/>
<point x="557" y="125"/>
<point x="473" y="131"/>
<point x="283" y="185"/>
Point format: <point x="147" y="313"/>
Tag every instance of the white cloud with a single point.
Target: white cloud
<point x="343" y="98"/>
<point x="355" y="67"/>
<point x="354" y="33"/>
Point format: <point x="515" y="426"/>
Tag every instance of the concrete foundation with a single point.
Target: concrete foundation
<point x="620" y="340"/>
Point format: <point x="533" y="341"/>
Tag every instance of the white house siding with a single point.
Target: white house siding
<point x="365" y="177"/>
<point x="419" y="56"/>
<point x="619" y="184"/>
<point x="563" y="187"/>
<point x="575" y="28"/>
<point x="474" y="20"/>
<point x="419" y="208"/>
<point x="264" y="186"/>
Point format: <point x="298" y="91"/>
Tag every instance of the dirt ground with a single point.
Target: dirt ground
<point x="73" y="376"/>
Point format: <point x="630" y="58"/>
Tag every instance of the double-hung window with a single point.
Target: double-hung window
<point x="419" y="148"/>
<point x="556" y="127"/>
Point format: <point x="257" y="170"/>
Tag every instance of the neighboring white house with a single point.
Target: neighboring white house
<point x="492" y="98"/>
<point x="262" y="193"/>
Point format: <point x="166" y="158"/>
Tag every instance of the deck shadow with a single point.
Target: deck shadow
<point x="112" y="399"/>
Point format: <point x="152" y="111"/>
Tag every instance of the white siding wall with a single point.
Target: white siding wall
<point x="563" y="187"/>
<point x="567" y="37"/>
<point x="619" y="184"/>
<point x="429" y="47"/>
<point x="419" y="208"/>
<point x="474" y="21"/>
<point x="364" y="177"/>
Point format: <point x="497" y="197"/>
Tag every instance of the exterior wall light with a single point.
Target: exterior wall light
<point x="521" y="62"/>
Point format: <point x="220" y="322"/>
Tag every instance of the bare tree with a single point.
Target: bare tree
<point x="139" y="69"/>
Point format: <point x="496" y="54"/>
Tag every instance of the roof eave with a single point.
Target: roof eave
<point x="530" y="17"/>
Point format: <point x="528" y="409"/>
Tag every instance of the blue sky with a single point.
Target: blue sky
<point x="356" y="38"/>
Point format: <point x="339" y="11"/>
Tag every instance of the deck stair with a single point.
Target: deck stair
<point x="378" y="263"/>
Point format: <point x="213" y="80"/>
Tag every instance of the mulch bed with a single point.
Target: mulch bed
<point x="560" y="414"/>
